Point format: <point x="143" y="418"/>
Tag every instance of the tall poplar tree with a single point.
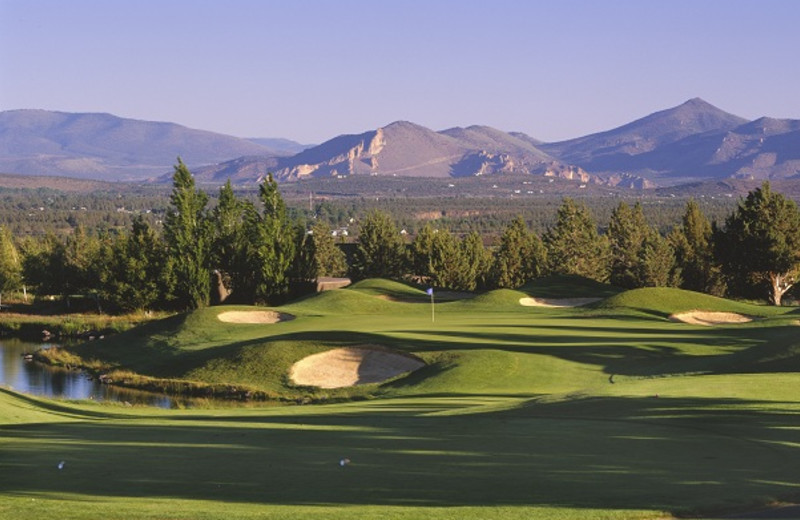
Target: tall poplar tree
<point x="187" y="235"/>
<point x="273" y="245"/>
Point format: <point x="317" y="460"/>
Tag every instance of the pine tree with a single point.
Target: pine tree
<point x="381" y="251"/>
<point x="421" y="250"/>
<point x="760" y="244"/>
<point x="273" y="246"/>
<point x="694" y="252"/>
<point x="329" y="259"/>
<point x="478" y="262"/>
<point x="520" y="256"/>
<point x="574" y="245"/>
<point x="187" y="235"/>
<point x="134" y="269"/>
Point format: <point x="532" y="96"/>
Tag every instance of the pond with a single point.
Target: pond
<point x="36" y="378"/>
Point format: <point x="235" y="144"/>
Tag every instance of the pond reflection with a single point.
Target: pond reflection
<point x="43" y="380"/>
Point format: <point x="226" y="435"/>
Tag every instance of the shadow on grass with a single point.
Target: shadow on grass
<point x="616" y="453"/>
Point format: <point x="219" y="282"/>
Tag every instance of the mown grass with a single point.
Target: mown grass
<point x="610" y="411"/>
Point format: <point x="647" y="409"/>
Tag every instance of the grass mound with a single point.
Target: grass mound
<point x="568" y="286"/>
<point x="343" y="301"/>
<point x="665" y="301"/>
<point x="389" y="288"/>
<point x="498" y="299"/>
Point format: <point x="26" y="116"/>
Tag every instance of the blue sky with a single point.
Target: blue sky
<point x="312" y="69"/>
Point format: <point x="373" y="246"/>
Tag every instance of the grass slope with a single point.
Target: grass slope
<point x="607" y="412"/>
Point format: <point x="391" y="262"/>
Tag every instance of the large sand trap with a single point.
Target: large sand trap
<point x="254" y="317"/>
<point x="556" y="302"/>
<point x="709" y="318"/>
<point x="351" y="366"/>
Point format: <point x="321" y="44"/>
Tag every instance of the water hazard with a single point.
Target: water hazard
<point x="35" y="378"/>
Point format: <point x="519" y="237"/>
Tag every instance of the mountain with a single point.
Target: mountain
<point x="694" y="142"/>
<point x="103" y="146"/>
<point x="688" y="143"/>
<point x="406" y="149"/>
<point x="279" y="145"/>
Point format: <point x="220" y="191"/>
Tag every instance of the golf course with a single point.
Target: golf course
<point x="563" y="399"/>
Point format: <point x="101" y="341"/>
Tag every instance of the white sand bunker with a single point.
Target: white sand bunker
<point x="351" y="366"/>
<point x="709" y="318"/>
<point x="254" y="317"/>
<point x="556" y="302"/>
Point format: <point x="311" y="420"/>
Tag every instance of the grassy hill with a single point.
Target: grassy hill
<point x="612" y="410"/>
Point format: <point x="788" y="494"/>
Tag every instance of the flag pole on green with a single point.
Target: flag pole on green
<point x="430" y="292"/>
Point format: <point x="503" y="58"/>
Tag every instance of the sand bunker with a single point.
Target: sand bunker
<point x="556" y="302"/>
<point x="710" y="318"/>
<point x="254" y="317"/>
<point x="351" y="366"/>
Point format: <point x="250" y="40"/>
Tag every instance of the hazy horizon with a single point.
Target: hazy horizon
<point x="310" y="70"/>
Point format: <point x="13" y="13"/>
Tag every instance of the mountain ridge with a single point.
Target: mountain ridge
<point x="691" y="142"/>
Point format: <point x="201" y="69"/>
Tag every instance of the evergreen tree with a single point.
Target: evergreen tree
<point x="657" y="261"/>
<point x="273" y="246"/>
<point x="329" y="259"/>
<point x="574" y="246"/>
<point x="520" y="256"/>
<point x="760" y="244"/>
<point x="639" y="255"/>
<point x="10" y="263"/>
<point x="626" y="234"/>
<point x="187" y="235"/>
<point x="381" y="251"/>
<point x="478" y="262"/>
<point x="694" y="252"/>
<point x="448" y="265"/>
<point x="134" y="269"/>
<point x="229" y="241"/>
<point x="421" y="250"/>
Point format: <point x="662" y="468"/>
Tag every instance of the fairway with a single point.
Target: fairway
<point x="609" y="410"/>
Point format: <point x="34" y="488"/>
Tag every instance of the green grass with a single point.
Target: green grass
<point x="611" y="411"/>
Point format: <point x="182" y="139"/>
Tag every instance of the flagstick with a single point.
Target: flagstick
<point x="433" y="316"/>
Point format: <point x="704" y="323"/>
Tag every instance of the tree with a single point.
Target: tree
<point x="421" y="250"/>
<point x="657" y="261"/>
<point x="761" y="242"/>
<point x="694" y="252"/>
<point x="573" y="244"/>
<point x="272" y="245"/>
<point x="133" y="277"/>
<point x="381" y="251"/>
<point x="329" y="259"/>
<point x="639" y="255"/>
<point x="520" y="256"/>
<point x="228" y="237"/>
<point x="10" y="264"/>
<point x="448" y="264"/>
<point x="477" y="260"/>
<point x="187" y="235"/>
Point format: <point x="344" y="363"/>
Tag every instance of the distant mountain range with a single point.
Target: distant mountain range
<point x="106" y="147"/>
<point x="692" y="142"/>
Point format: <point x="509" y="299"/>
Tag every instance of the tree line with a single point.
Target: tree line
<point x="253" y="251"/>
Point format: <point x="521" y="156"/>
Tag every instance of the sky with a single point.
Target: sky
<point x="310" y="70"/>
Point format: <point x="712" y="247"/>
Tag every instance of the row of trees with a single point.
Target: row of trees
<point x="755" y="254"/>
<point x="259" y="253"/>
